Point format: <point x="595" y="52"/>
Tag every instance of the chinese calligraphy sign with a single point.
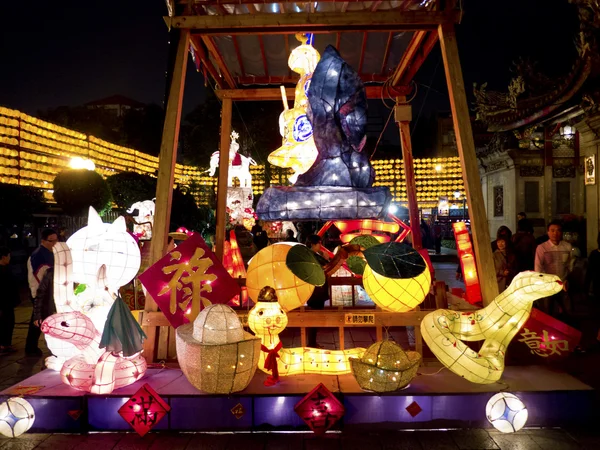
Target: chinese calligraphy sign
<point x="144" y="410"/>
<point x="360" y="319"/>
<point x="320" y="409"/>
<point x="188" y="279"/>
<point x="545" y="345"/>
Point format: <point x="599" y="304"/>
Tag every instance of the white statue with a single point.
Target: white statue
<point x="239" y="165"/>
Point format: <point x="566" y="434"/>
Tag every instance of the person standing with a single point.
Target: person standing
<point x="40" y="261"/>
<point x="289" y="236"/>
<point x="555" y="257"/>
<point x="505" y="264"/>
<point x="9" y="298"/>
<point x="524" y="246"/>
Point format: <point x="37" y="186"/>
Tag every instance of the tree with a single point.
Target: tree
<point x="75" y="190"/>
<point x="19" y="203"/>
<point x="130" y="187"/>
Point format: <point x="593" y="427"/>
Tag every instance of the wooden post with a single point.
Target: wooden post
<point x="403" y="115"/>
<point x="468" y="161"/>
<point x="223" y="175"/>
<point x="166" y="175"/>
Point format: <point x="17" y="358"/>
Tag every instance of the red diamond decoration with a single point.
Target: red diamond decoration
<point x="414" y="409"/>
<point x="75" y="414"/>
<point x="319" y="409"/>
<point x="144" y="410"/>
<point x="238" y="411"/>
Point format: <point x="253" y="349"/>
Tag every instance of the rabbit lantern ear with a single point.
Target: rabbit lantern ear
<point x="94" y="220"/>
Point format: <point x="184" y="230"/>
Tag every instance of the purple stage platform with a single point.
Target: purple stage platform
<point x="446" y="400"/>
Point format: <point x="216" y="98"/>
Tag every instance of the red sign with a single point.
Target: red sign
<point x="547" y="337"/>
<point x="319" y="409"/>
<point x="238" y="411"/>
<point x="144" y="410"/>
<point x="187" y="279"/>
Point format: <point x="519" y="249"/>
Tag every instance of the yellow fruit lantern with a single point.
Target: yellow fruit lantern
<point x="272" y="266"/>
<point x="396" y="277"/>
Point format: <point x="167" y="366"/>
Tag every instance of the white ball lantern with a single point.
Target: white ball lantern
<point x="16" y="417"/>
<point x="506" y="412"/>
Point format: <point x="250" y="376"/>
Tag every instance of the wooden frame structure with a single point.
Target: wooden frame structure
<point x="216" y="31"/>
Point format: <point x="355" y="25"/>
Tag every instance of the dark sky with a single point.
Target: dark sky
<point x="71" y="52"/>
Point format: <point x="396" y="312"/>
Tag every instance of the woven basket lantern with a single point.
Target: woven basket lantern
<point x="215" y="353"/>
<point x="385" y="367"/>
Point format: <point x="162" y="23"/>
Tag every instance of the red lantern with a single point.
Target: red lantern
<point x="319" y="409"/>
<point x="467" y="262"/>
<point x="187" y="279"/>
<point x="144" y="410"/>
<point x="234" y="263"/>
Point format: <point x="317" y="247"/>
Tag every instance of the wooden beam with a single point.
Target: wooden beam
<point x="325" y="22"/>
<point x="418" y="61"/>
<point x="226" y="112"/>
<point x="386" y="54"/>
<point x="408" y="55"/>
<point x="362" y="52"/>
<point x="403" y="117"/>
<point x="238" y="54"/>
<point x="166" y="172"/>
<point x="250" y="79"/>
<point x="468" y="161"/>
<point x="261" y="44"/>
<point x="344" y="7"/>
<point x="273" y="94"/>
<point x="214" y="51"/>
<point x="338" y="39"/>
<point x="206" y="61"/>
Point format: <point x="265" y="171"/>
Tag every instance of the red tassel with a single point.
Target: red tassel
<point x="271" y="364"/>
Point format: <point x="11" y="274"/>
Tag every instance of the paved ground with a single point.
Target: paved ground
<point x="16" y="367"/>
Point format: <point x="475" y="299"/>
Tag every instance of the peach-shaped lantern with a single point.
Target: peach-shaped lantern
<point x="268" y="268"/>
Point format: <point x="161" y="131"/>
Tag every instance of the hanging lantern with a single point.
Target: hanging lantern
<point x="385" y="367"/>
<point x="16" y="417"/>
<point x="268" y="268"/>
<point x="216" y="355"/>
<point x="567" y="131"/>
<point x="506" y="412"/>
<point x="396" y="277"/>
<point x="496" y="324"/>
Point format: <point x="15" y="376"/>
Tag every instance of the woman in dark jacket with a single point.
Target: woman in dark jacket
<point x="43" y="304"/>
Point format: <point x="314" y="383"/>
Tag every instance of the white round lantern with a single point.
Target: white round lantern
<point x="506" y="412"/>
<point x="218" y="324"/>
<point x="16" y="417"/>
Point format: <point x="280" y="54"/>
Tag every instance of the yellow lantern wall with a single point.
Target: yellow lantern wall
<point x="268" y="268"/>
<point x="396" y="294"/>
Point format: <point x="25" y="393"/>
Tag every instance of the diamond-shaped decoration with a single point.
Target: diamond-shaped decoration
<point x="238" y="411"/>
<point x="75" y="414"/>
<point x="320" y="409"/>
<point x="414" y="409"/>
<point x="144" y="410"/>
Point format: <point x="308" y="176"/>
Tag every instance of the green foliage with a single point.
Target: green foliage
<point x="130" y="187"/>
<point x="19" y="202"/>
<point x="75" y="190"/>
<point x="303" y="263"/>
<point x="365" y="241"/>
<point x="395" y="260"/>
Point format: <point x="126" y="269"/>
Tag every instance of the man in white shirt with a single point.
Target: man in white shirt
<point x="555" y="257"/>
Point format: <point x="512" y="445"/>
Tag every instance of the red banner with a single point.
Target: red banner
<point x="548" y="337"/>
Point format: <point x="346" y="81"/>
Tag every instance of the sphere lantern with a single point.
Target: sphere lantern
<point x="16" y="417"/>
<point x="506" y="412"/>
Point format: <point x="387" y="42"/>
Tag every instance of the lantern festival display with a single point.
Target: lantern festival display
<point x="396" y="276"/>
<point x="143" y="215"/>
<point x="215" y="353"/>
<point x="94" y="369"/>
<point x="239" y="165"/>
<point x="267" y="320"/>
<point x="234" y="263"/>
<point x="339" y="183"/>
<point x="16" y="417"/>
<point x="444" y="330"/>
<point x="101" y="257"/>
<point x="467" y="262"/>
<point x="298" y="150"/>
<point x="385" y="367"/>
<point x="506" y="412"/>
<point x="269" y="268"/>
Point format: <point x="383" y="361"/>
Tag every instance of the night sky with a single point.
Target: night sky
<point x="72" y="52"/>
